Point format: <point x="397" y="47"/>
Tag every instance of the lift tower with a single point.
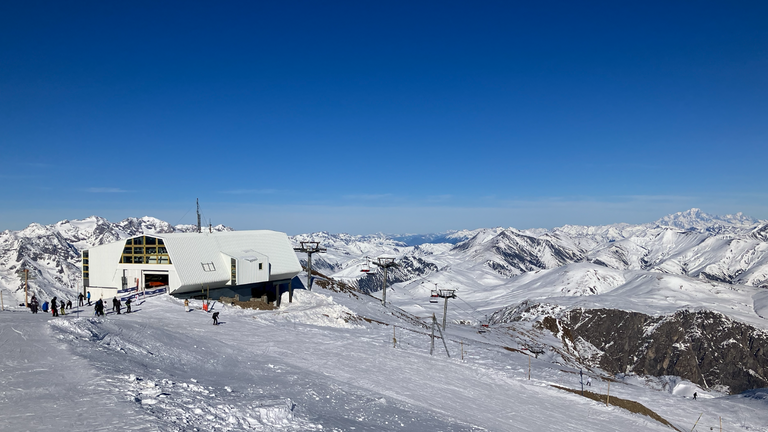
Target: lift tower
<point x="310" y="247"/>
<point x="385" y="263"/>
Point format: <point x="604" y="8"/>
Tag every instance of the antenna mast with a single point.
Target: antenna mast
<point x="198" y="215"/>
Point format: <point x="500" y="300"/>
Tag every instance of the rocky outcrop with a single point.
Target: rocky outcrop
<point x="704" y="347"/>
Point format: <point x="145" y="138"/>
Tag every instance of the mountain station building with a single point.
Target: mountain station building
<point x="192" y="265"/>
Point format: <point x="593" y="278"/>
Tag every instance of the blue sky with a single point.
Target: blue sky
<point x="391" y="117"/>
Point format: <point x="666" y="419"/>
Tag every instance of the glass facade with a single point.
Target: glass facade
<point x="85" y="268"/>
<point x="145" y="250"/>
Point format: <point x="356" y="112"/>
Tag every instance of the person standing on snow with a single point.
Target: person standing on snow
<point x="589" y="381"/>
<point x="128" y="305"/>
<point x="694" y="395"/>
<point x="215" y="318"/>
<point x="33" y="304"/>
<point x="69" y="304"/>
<point x="54" y="307"/>
<point x="80" y="298"/>
<point x="88" y="295"/>
<point x="186" y="305"/>
<point x="45" y="307"/>
<point x="118" y="305"/>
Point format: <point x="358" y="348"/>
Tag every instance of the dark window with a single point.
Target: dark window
<point x="127" y="259"/>
<point x="261" y="266"/>
<point x="151" y="250"/>
<point x="162" y="250"/>
<point x="138" y="260"/>
<point x="160" y="242"/>
<point x="151" y="240"/>
<point x="138" y="241"/>
<point x="128" y="242"/>
<point x="127" y="251"/>
<point x="138" y="251"/>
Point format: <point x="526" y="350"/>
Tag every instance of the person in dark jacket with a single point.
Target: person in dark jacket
<point x="99" y="307"/>
<point x="33" y="304"/>
<point x="54" y="307"/>
<point x="80" y="298"/>
<point x="128" y="305"/>
<point x="118" y="305"/>
<point x="215" y="318"/>
<point x="69" y="304"/>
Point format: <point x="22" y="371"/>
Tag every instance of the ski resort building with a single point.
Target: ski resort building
<point x="246" y="263"/>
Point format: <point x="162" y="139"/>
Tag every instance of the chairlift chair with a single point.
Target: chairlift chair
<point x="434" y="296"/>
<point x="366" y="267"/>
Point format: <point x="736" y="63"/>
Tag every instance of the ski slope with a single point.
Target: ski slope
<point x="324" y="362"/>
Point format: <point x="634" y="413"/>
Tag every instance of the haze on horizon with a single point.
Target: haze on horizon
<point x="395" y="117"/>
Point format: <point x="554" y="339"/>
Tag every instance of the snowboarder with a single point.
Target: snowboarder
<point x="33" y="304"/>
<point x="694" y="395"/>
<point x="589" y="381"/>
<point x="69" y="304"/>
<point x="88" y="295"/>
<point x="128" y="305"/>
<point x="54" y="307"/>
<point x="63" y="312"/>
<point x="80" y="298"/>
<point x="215" y="318"/>
<point x="45" y="306"/>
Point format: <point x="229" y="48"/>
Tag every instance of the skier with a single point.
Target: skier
<point x="80" y="298"/>
<point x="694" y="395"/>
<point x="45" y="306"/>
<point x="89" y="297"/>
<point x="589" y="381"/>
<point x="128" y="305"/>
<point x="99" y="307"/>
<point x="54" y="307"/>
<point x="215" y="318"/>
<point x="69" y="304"/>
<point x="33" y="304"/>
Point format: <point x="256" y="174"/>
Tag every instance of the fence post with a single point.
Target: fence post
<point x="608" y="396"/>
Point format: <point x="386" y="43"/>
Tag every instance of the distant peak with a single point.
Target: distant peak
<point x="697" y="219"/>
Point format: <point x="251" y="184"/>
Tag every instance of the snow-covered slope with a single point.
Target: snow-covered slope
<point x="328" y="361"/>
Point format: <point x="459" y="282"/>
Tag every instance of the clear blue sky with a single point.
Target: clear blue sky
<point x="392" y="117"/>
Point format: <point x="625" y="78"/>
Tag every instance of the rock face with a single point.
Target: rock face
<point x="704" y="347"/>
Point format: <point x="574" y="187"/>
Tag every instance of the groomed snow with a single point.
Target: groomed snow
<point x="324" y="362"/>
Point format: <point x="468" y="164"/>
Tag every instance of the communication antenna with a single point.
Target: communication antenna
<point x="309" y="247"/>
<point x="385" y="263"/>
<point x="198" y="215"/>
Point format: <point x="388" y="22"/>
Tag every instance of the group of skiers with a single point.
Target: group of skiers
<point x="56" y="306"/>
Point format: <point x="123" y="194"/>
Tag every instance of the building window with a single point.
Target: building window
<point x="86" y="274"/>
<point x="135" y="253"/>
<point x="233" y="271"/>
<point x="261" y="266"/>
<point x="208" y="267"/>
